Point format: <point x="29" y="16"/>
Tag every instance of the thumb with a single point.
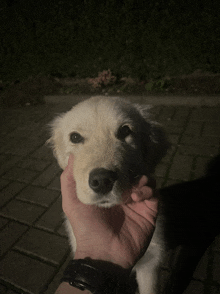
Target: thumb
<point x="68" y="184"/>
<point x="67" y="174"/>
<point x="142" y="190"/>
<point x="69" y="167"/>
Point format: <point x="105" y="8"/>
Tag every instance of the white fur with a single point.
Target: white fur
<point x="98" y="120"/>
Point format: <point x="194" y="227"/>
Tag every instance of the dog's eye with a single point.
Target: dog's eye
<point x="123" y="132"/>
<point x="76" y="138"/>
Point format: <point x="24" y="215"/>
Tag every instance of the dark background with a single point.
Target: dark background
<point x="141" y="39"/>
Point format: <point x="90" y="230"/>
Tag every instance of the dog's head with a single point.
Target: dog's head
<point x="113" y="143"/>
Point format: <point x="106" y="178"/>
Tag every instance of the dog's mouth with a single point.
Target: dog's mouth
<point x="105" y="204"/>
<point x="109" y="186"/>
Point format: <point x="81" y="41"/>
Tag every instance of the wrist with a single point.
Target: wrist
<point x="99" y="277"/>
<point x="102" y="257"/>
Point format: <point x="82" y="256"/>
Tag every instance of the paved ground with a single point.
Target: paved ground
<point x="34" y="247"/>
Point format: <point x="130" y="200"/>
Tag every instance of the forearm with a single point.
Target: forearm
<point x="65" y="288"/>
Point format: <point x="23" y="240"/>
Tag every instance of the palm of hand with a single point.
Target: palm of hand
<point x="121" y="233"/>
<point x="118" y="234"/>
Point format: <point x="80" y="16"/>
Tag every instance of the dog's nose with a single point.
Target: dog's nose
<point x="102" y="180"/>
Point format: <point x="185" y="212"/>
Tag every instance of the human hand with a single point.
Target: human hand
<point x="120" y="234"/>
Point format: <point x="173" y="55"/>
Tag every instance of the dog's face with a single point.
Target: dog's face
<point x="113" y="145"/>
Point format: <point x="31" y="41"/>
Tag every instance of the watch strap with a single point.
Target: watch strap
<point x="99" y="277"/>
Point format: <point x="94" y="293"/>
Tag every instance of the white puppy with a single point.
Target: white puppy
<point x="113" y="142"/>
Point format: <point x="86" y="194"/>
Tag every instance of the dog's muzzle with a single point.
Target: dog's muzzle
<point x="101" y="180"/>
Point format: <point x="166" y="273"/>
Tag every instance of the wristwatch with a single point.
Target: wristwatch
<point x="99" y="277"/>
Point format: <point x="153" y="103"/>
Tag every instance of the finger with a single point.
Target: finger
<point x="153" y="203"/>
<point x="142" y="193"/>
<point x="146" y="181"/>
<point x="142" y="182"/>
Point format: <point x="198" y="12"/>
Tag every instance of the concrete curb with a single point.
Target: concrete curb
<point x="208" y="101"/>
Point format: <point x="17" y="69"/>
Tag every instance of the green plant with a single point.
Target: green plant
<point x="155" y="85"/>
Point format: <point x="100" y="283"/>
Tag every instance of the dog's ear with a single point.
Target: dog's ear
<point x="154" y="141"/>
<point x="57" y="143"/>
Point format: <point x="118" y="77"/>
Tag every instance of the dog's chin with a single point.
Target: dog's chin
<point x="106" y="201"/>
<point x="106" y="204"/>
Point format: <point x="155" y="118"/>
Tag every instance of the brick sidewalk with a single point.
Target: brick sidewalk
<point x="34" y="246"/>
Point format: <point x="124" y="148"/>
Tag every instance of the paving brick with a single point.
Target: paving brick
<point x="167" y="113"/>
<point x="211" y="130"/>
<point x="181" y="113"/>
<point x="3" y="157"/>
<point x="6" y="128"/>
<point x="47" y="175"/>
<point x="10" y="191"/>
<point x="200" y="166"/>
<point x="169" y="155"/>
<point x="209" y="114"/>
<point x="11" y="292"/>
<point x="34" y="130"/>
<point x="21" y="146"/>
<point x="161" y="170"/>
<point x="181" y="167"/>
<point x="19" y="174"/>
<point x="194" y="128"/>
<point x="34" y="164"/>
<point x="21" y="132"/>
<point x="3" y="289"/>
<point x="53" y="217"/>
<point x="22" y="211"/>
<point x="173" y="127"/>
<point x="195" y="287"/>
<point x="164" y="278"/>
<point x="43" y="244"/>
<point x="216" y="244"/>
<point x="199" y="150"/>
<point x="160" y="182"/>
<point x="62" y="231"/>
<point x="32" y="136"/>
<point x="216" y="267"/>
<point x="174" y="138"/>
<point x="43" y="152"/>
<point x="38" y="195"/>
<point x="25" y="273"/>
<point x="155" y="111"/>
<point x="171" y="182"/>
<point x="201" y="269"/>
<point x="11" y="232"/>
<point x="214" y="289"/>
<point x="12" y="160"/>
<point x="3" y="222"/>
<point x="169" y="122"/>
<point x="55" y="184"/>
<point x="199" y="141"/>
<point x="56" y="280"/>
<point x="3" y="183"/>
<point x="6" y="146"/>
